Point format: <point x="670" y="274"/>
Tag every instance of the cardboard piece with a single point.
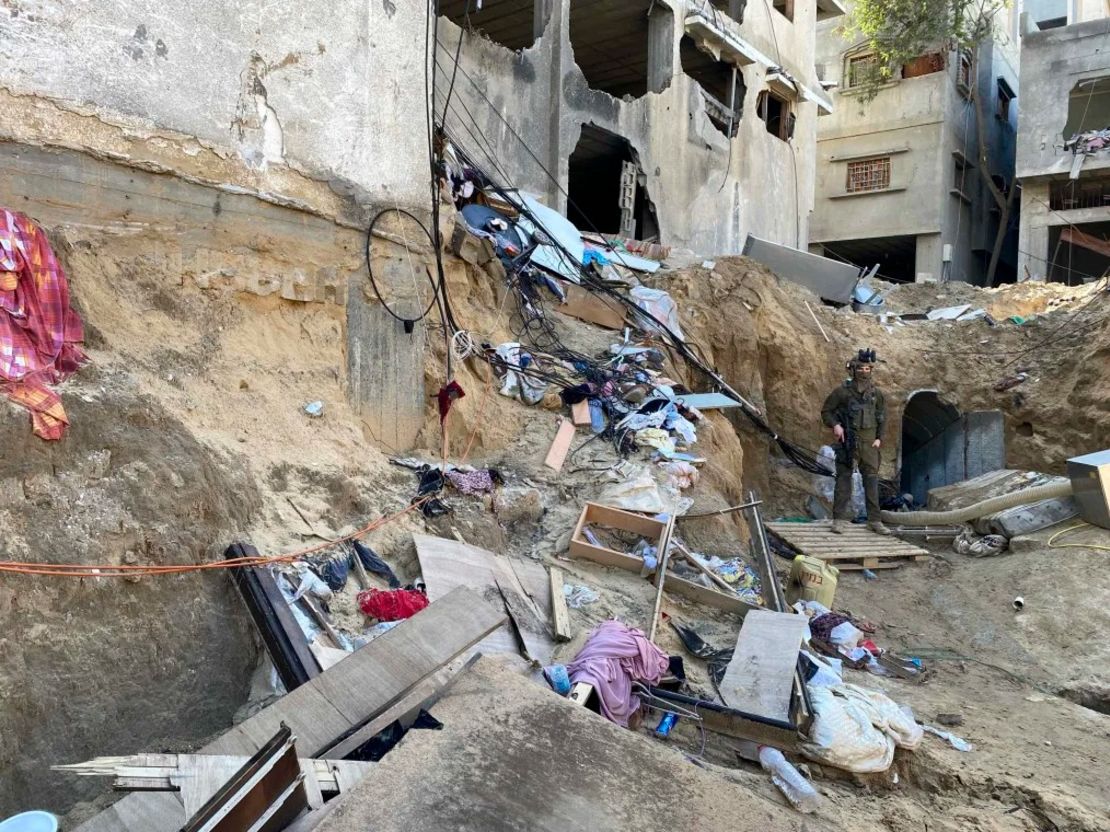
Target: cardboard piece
<point x="586" y="306"/>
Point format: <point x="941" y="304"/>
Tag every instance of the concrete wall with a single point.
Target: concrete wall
<point x="266" y="85"/>
<point x="923" y="123"/>
<point x="1053" y="63"/>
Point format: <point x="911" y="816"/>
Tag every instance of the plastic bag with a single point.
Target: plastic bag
<point x="857" y="729"/>
<point x="660" y="306"/>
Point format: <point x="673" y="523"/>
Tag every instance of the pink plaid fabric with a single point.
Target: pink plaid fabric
<point x="39" y="333"/>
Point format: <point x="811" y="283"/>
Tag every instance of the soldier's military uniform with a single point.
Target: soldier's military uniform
<point x="857" y="406"/>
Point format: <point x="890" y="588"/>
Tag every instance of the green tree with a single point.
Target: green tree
<point x="897" y="31"/>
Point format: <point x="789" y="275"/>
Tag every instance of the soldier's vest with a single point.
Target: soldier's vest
<point x="860" y="409"/>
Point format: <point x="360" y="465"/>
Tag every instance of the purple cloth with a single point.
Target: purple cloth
<point x="613" y="658"/>
<point x="472" y="483"/>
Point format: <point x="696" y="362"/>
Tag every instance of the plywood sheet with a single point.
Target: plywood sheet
<point x="447" y="564"/>
<point x="760" y="678"/>
<point x="589" y="307"/>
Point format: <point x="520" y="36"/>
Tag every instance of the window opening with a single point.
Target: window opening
<point x="611" y="39"/>
<point x="923" y="65"/>
<point x="869" y="175"/>
<point x="1069" y="194"/>
<point x="964" y="73"/>
<point x="862" y="70"/>
<point x="775" y="111"/>
<point x="1088" y="107"/>
<point x="1005" y="96"/>
<point x="515" y="24"/>
<point x="721" y="85"/>
<point x="607" y="189"/>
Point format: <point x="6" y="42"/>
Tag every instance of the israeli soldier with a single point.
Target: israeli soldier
<point x="856" y="412"/>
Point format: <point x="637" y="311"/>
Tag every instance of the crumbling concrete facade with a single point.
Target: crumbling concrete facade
<point x="708" y="191"/>
<point x="900" y="179"/>
<point x="1065" y="195"/>
<point x="326" y="112"/>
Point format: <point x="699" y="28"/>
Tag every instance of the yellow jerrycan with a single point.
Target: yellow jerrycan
<point x="812" y="579"/>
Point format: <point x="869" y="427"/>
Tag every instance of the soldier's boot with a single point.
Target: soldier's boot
<point x="878" y="528"/>
<point x="838" y="526"/>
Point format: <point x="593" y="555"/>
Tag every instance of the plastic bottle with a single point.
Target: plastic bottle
<point x="791" y="782"/>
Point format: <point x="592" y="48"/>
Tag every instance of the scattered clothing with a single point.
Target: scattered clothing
<point x="371" y="562"/>
<point x="822" y="626"/>
<point x="473" y="484"/>
<point x="39" y="332"/>
<point x="513" y="361"/>
<point x="612" y="659"/>
<point x="392" y="604"/>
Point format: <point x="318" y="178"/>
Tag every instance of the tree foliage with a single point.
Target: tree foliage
<point x="898" y="31"/>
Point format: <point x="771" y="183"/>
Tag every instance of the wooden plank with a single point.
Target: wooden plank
<point x="580" y="412"/>
<point x="424" y="695"/>
<point x="399" y="659"/>
<point x="586" y="306"/>
<point x="705" y="595"/>
<point x="760" y="678"/>
<point x="560" y="615"/>
<point x="560" y="446"/>
<point x="448" y="564"/>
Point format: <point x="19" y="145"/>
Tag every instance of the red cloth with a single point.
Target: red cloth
<point x="39" y="333"/>
<point x="447" y="396"/>
<point x="392" y="604"/>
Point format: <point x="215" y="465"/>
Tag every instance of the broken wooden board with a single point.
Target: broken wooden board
<point x="557" y="454"/>
<point x="198" y="776"/>
<point x="856" y="548"/>
<point x="423" y="696"/>
<point x="447" y="564"/>
<point x="560" y="615"/>
<point x="334" y="704"/>
<point x="760" y="678"/>
<point x="586" y="306"/>
<point x="580" y="412"/>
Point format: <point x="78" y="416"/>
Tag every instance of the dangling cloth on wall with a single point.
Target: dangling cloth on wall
<point x="39" y="333"/>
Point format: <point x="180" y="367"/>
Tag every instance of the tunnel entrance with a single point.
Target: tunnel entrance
<point x="940" y="446"/>
<point x="607" y="189"/>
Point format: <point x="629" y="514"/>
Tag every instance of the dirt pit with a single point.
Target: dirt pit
<point x="189" y="433"/>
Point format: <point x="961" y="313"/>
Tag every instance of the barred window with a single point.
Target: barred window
<point x="869" y="175"/>
<point x="862" y="69"/>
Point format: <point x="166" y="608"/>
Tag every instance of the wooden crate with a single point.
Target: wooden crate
<point x="652" y="530"/>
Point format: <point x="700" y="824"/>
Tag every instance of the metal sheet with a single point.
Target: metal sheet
<point x="1090" y="481"/>
<point x="709" y="401"/>
<point x="829" y="279"/>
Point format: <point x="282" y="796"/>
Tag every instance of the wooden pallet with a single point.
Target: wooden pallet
<point x="857" y="548"/>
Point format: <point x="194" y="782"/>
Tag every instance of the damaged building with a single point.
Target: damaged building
<point x="1063" y="159"/>
<point x="902" y="181"/>
<point x="674" y="121"/>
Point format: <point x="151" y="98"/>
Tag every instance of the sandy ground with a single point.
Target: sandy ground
<point x="234" y="373"/>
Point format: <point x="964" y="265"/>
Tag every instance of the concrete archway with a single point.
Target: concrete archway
<point x="940" y="446"/>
